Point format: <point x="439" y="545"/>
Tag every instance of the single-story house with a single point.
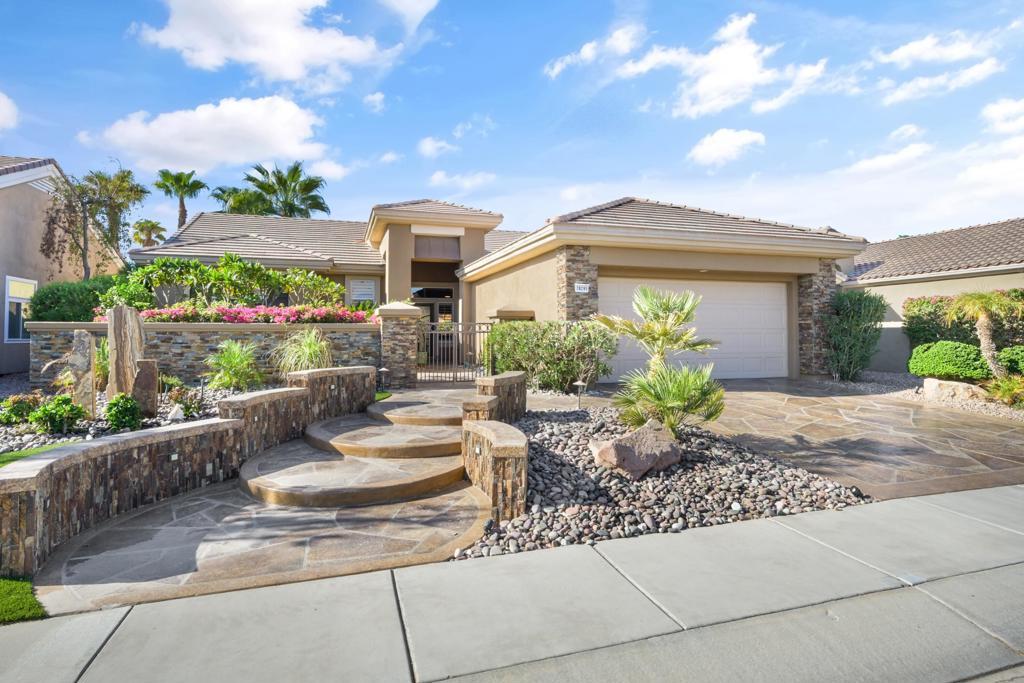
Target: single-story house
<point x="25" y="194"/>
<point x="766" y="285"/>
<point x="971" y="259"/>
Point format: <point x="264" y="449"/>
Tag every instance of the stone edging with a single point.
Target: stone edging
<point x="495" y="457"/>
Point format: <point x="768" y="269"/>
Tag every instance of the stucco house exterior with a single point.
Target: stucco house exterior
<point x="25" y="186"/>
<point x="766" y="285"/>
<point x="971" y="259"/>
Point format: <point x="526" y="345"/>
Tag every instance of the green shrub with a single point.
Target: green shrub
<point x="308" y="349"/>
<point x="128" y="291"/>
<point x="169" y="382"/>
<point x="58" y="415"/>
<point x="69" y="301"/>
<point x="553" y="355"/>
<point x="234" y="366"/>
<point x="949" y="360"/>
<point x="16" y="408"/>
<point x="854" y="328"/>
<point x="924" y="320"/>
<point x="1012" y="358"/>
<point x="673" y="395"/>
<point x="309" y="288"/>
<point x="102" y="364"/>
<point x="1008" y="390"/>
<point x="190" y="400"/>
<point x="123" y="412"/>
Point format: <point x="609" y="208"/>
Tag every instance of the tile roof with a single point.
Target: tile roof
<point x="633" y="212"/>
<point x="434" y="206"/>
<point x="496" y="239"/>
<point x="309" y="239"/>
<point x="16" y="164"/>
<point x="976" y="246"/>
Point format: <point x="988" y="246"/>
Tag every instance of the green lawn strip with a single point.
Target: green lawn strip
<point x="8" y="458"/>
<point x="381" y="395"/>
<point x="18" y="602"/>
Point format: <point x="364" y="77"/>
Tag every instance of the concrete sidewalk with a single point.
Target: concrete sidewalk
<point x="923" y="589"/>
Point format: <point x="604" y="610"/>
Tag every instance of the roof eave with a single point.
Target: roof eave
<point x="381" y="218"/>
<point x="937" y="275"/>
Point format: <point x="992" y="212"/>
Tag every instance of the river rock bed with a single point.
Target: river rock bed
<point x="574" y="501"/>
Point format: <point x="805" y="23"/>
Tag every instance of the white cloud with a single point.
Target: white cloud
<point x="230" y="132"/>
<point x="332" y="170"/>
<point x="927" y="86"/>
<point x="955" y="47"/>
<point x="464" y="182"/>
<point x="389" y="158"/>
<point x="411" y="12"/>
<point x="728" y="74"/>
<point x="619" y="42"/>
<point x="1005" y="116"/>
<point x="907" y="131"/>
<point x="8" y="112"/>
<point x="723" y="146"/>
<point x="432" y="148"/>
<point x="374" y="102"/>
<point x="276" y="38"/>
<point x="481" y="125"/>
<point x="886" y="162"/>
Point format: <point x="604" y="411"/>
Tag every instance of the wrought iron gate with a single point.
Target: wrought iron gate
<point x="452" y="352"/>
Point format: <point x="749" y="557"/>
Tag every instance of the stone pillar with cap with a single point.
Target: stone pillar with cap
<point x="398" y="336"/>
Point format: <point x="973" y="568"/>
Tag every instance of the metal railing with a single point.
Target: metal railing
<point x="452" y="352"/>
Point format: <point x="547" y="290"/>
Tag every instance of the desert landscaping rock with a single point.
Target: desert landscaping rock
<point x="572" y="500"/>
<point x="651" y="448"/>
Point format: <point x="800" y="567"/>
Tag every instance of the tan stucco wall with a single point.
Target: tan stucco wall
<point x="22" y="211"/>
<point x="527" y="286"/>
<point x="696" y="261"/>
<point x="397" y="248"/>
<point x="894" y="348"/>
<point x="471" y="245"/>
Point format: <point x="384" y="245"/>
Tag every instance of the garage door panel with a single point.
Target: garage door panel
<point x="747" y="319"/>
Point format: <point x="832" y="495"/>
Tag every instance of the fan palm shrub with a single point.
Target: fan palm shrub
<point x="233" y="366"/>
<point x="306" y="350"/>
<point x="982" y="308"/>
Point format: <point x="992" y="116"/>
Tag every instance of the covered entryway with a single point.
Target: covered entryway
<point x="748" y="319"/>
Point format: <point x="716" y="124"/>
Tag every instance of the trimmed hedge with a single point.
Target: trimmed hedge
<point x="949" y="360"/>
<point x="553" y="354"/>
<point x="924" y="320"/>
<point x="1012" y="358"/>
<point x="69" y="301"/>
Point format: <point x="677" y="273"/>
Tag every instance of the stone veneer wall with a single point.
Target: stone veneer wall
<point x="814" y="301"/>
<point x="495" y="458"/>
<point x="398" y="339"/>
<point x="510" y="390"/>
<point x="181" y="349"/>
<point x="48" y="498"/>
<point x="572" y="265"/>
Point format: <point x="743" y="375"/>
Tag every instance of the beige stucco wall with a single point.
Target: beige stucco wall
<point x="698" y="261"/>
<point x="894" y="348"/>
<point x="22" y="211"/>
<point x="397" y="249"/>
<point x="527" y="286"/>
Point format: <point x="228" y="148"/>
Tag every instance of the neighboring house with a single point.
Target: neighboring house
<point x="766" y="286"/>
<point x="976" y="258"/>
<point x="25" y="187"/>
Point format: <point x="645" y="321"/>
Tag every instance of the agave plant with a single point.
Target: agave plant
<point x="675" y="396"/>
<point x="233" y="366"/>
<point x="306" y="350"/>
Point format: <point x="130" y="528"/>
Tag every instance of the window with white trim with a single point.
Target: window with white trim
<point x="17" y="294"/>
<point x="362" y="289"/>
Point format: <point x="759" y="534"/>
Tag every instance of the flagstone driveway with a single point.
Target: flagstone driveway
<point x="887" y="447"/>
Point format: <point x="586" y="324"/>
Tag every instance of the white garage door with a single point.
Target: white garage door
<point x="747" y="319"/>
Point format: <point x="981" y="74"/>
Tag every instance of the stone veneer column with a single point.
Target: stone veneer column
<point x="814" y="301"/>
<point x="572" y="265"/>
<point x="398" y="342"/>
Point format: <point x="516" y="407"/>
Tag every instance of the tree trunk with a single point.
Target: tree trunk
<point x="86" y="270"/>
<point x="988" y="347"/>
<point x="182" y="213"/>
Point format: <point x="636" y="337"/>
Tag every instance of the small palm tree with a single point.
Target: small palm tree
<point x="290" y="192"/>
<point x="183" y="185"/>
<point x="673" y="395"/>
<point x="664" y="325"/>
<point x="983" y="308"/>
<point x="148" y="233"/>
<point x="239" y="200"/>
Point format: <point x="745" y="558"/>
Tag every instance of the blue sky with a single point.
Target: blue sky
<point x="876" y="118"/>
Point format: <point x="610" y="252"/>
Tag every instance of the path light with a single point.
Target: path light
<point x="580" y="387"/>
<point x="383" y="379"/>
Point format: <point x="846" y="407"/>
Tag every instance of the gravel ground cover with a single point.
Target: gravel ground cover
<point x="574" y="501"/>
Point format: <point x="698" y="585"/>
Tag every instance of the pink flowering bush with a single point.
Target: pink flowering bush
<point x="189" y="313"/>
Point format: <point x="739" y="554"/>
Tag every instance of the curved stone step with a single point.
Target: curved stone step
<point x="415" y="413"/>
<point x="296" y="474"/>
<point x="359" y="436"/>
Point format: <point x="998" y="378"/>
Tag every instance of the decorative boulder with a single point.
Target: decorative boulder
<point x="651" y="448"/>
<point x="80" y="363"/>
<point x="945" y="390"/>
<point x="146" y="387"/>
<point x="125" y="337"/>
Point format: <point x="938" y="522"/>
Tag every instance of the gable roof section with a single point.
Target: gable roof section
<point x="319" y="243"/>
<point x="974" y="247"/>
<point x="17" y="164"/>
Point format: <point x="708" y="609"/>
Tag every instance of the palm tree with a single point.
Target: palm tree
<point x="239" y="200"/>
<point x="983" y="308"/>
<point x="181" y="185"/>
<point x="674" y="396"/>
<point x="148" y="233"/>
<point x="111" y="196"/>
<point x="664" y="325"/>
<point x="290" y="192"/>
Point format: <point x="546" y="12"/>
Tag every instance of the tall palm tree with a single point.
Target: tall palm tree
<point x="983" y="308"/>
<point x="111" y="197"/>
<point x="242" y="200"/>
<point x="290" y="192"/>
<point x="664" y="325"/>
<point x="148" y="233"/>
<point x="183" y="185"/>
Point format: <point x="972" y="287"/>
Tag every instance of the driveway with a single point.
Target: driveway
<point x="889" y="448"/>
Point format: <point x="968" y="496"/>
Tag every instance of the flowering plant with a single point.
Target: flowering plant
<point x="189" y="313"/>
